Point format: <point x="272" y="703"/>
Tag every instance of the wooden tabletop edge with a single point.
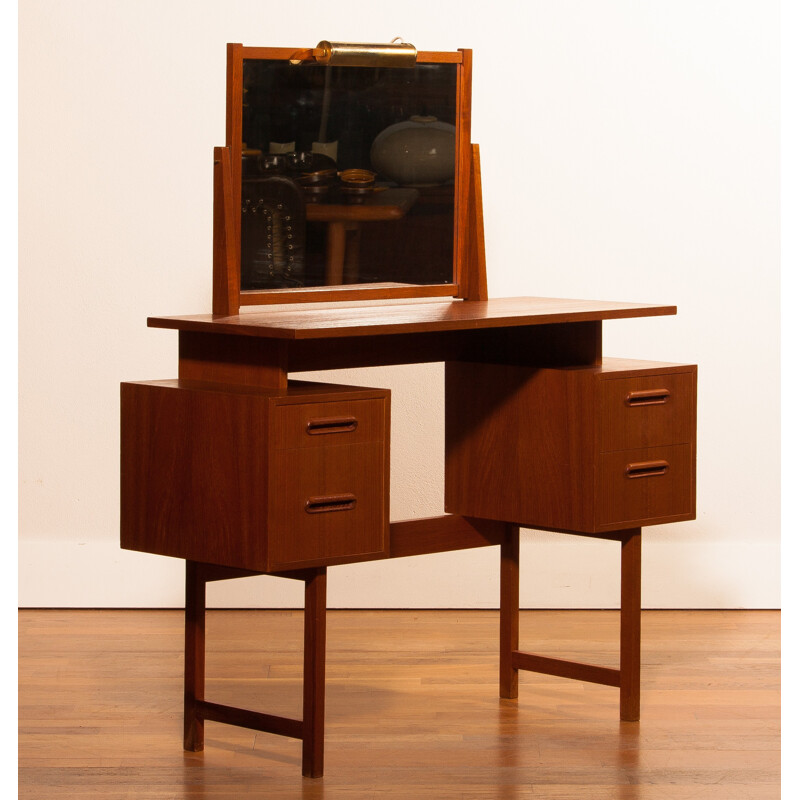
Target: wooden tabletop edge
<point x="289" y="324"/>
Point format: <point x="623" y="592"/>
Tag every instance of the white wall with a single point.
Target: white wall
<point x="630" y="152"/>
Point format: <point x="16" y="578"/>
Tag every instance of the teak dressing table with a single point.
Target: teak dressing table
<point x="241" y="471"/>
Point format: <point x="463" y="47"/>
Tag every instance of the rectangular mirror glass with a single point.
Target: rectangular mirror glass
<point x="347" y="175"/>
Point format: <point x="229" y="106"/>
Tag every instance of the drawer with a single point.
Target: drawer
<point x="328" y="503"/>
<point x="558" y="448"/>
<point x="203" y="479"/>
<point x="326" y="424"/>
<point x="645" y="484"/>
<point x="646" y="411"/>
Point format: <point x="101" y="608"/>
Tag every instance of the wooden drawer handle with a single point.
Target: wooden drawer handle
<point x="332" y="502"/>
<point x="316" y="427"/>
<point x="648" y="397"/>
<point x="646" y="469"/>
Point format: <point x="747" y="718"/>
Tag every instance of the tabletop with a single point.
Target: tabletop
<point x="359" y="319"/>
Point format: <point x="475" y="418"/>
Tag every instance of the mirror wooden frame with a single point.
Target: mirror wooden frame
<point x="469" y="267"/>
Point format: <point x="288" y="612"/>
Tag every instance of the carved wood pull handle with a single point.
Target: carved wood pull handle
<point x="648" y="397"/>
<point x="646" y="469"/>
<point x="316" y="427"/>
<point x="332" y="502"/>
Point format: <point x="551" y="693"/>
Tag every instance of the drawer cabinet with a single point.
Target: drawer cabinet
<point x="588" y="449"/>
<point x="266" y="480"/>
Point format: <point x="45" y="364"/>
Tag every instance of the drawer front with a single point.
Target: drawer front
<point x="649" y="411"/>
<point x="328" y="504"/>
<point x="645" y="484"/>
<point x="330" y="424"/>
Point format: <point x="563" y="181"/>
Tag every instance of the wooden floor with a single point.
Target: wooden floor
<point x="412" y="708"/>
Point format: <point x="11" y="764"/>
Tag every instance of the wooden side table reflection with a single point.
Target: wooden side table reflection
<point x="341" y="256"/>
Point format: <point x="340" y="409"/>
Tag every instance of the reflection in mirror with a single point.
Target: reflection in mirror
<point x="347" y="175"/>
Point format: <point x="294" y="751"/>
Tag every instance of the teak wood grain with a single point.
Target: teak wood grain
<point x="262" y="362"/>
<point x="441" y="534"/>
<point x="626" y="676"/>
<point x="197" y="709"/>
<point x="664" y="409"/>
<point x="630" y="625"/>
<point x="209" y="475"/>
<point x="472" y="275"/>
<point x="194" y="661"/>
<point x="462" y="266"/>
<point x="563" y="449"/>
<point x="242" y="472"/>
<point x="314" y="629"/>
<point x="212" y="358"/>
<point x="509" y="614"/>
<point x="347" y="293"/>
<point x="226" y="277"/>
<point x="400" y="318"/>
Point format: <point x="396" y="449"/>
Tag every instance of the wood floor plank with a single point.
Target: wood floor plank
<point x="412" y="708"/>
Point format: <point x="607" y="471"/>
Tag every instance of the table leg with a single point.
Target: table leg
<point x="334" y="253"/>
<point x="353" y="253"/>
<point x="630" y="625"/>
<point x="509" y="612"/>
<point x="194" y="657"/>
<point x="314" y="675"/>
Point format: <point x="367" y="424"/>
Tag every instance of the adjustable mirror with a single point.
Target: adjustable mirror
<point x="347" y="175"/>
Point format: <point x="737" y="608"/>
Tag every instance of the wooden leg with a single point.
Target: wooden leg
<point x="334" y="253"/>
<point x="352" y="253"/>
<point x="509" y="612"/>
<point x="194" y="655"/>
<point x="314" y="675"/>
<point x="630" y="625"/>
<point x="626" y="677"/>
